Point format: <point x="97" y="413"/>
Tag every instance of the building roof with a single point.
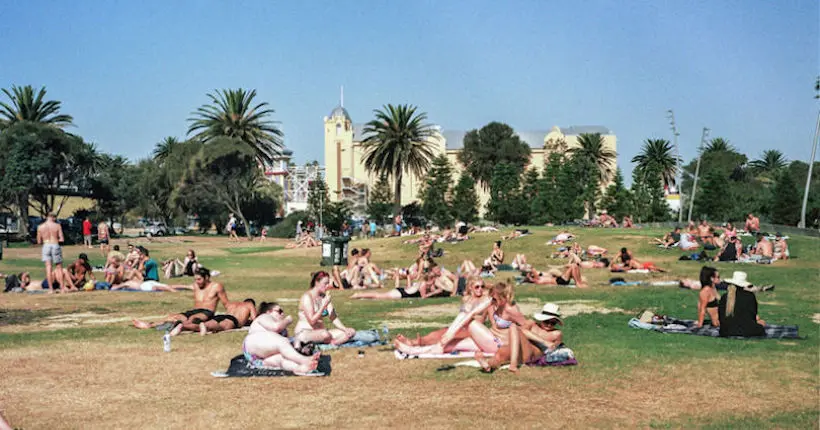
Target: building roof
<point x="584" y="129"/>
<point x="340" y="111"/>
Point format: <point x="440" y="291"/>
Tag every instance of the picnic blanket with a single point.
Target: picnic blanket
<point x="679" y="326"/>
<point x="241" y="368"/>
<point x="362" y="339"/>
<point x="455" y="354"/>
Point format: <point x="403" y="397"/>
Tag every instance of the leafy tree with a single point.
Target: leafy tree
<point x="719" y="144"/>
<point x="436" y="192"/>
<point x="266" y="202"/>
<point x="506" y="204"/>
<point x="337" y="213"/>
<point x="648" y="201"/>
<point x="591" y="149"/>
<point x="769" y="164"/>
<point x="618" y="199"/>
<point x="465" y="199"/>
<point x="114" y="187"/>
<point x="153" y="191"/>
<point x="493" y="144"/>
<point x="225" y="172"/>
<point x="233" y="114"/>
<point x="657" y="154"/>
<point x="380" y="203"/>
<point x="560" y="190"/>
<point x="529" y="194"/>
<point x="710" y="199"/>
<point x="787" y="200"/>
<point x="398" y="141"/>
<point x="163" y="149"/>
<point x="28" y="107"/>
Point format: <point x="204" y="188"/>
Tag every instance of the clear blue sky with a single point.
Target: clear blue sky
<point x="130" y="72"/>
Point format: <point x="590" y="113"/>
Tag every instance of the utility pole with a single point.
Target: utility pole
<point x="678" y="171"/>
<point x="697" y="173"/>
<point x="808" y="177"/>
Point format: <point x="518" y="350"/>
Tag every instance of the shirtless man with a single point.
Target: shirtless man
<point x="763" y="248"/>
<point x="50" y="235"/>
<point x="781" y="248"/>
<point x="704" y="232"/>
<point x="752" y="224"/>
<point x="104" y="238"/>
<point x="207" y="296"/>
<point x="445" y="280"/>
<point x="238" y="315"/>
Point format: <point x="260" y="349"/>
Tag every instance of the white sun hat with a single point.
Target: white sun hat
<point x="550" y="311"/>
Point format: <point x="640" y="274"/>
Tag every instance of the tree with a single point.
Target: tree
<point x="232" y="114"/>
<point x="529" y="193"/>
<point x="506" y="205"/>
<point x="225" y="172"/>
<point x="719" y="144"/>
<point x="28" y="107"/>
<point x="657" y="154"/>
<point x="114" y="187"/>
<point x="465" y="199"/>
<point x="398" y="141"/>
<point x="436" y="192"/>
<point x="787" y="201"/>
<point x="617" y="200"/>
<point x="380" y="202"/>
<point x="648" y="201"/>
<point x="560" y="190"/>
<point x="591" y="148"/>
<point x="494" y="144"/>
<point x="318" y="206"/>
<point x="164" y="148"/>
<point x="769" y="164"/>
<point x="711" y="202"/>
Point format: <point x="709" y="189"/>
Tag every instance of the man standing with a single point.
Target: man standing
<point x="104" y="238"/>
<point x="372" y="229"/>
<point x="87" y="232"/>
<point x="50" y="235"/>
<point x="298" y="229"/>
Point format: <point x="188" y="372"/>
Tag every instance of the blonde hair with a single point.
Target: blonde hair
<point x="731" y="295"/>
<point x="505" y="291"/>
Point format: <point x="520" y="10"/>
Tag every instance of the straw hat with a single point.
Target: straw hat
<point x="550" y="311"/>
<point x="739" y="279"/>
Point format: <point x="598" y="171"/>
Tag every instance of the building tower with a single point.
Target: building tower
<point x="339" y="151"/>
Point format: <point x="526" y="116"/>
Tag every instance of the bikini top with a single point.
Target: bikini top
<point x="501" y="322"/>
<point x="316" y="308"/>
<point x="713" y="304"/>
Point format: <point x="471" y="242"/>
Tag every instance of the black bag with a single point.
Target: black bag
<point x="12" y="282"/>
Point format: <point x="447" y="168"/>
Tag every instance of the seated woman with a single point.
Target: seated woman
<point x="687" y="242"/>
<point x="627" y="222"/>
<point x="266" y="346"/>
<point x="417" y="290"/>
<point x="314" y="306"/>
<point x="191" y="264"/>
<point x="729" y="231"/>
<point x="497" y="255"/>
<point x="708" y="297"/>
<point x="535" y="342"/>
<point x="627" y="261"/>
<point x="781" y="248"/>
<point x="520" y="263"/>
<point x="737" y="310"/>
<point x="467" y="269"/>
<point x="732" y="250"/>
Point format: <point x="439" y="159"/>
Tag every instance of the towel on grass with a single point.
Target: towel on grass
<point x="455" y="354"/>
<point x="362" y="339"/>
<point x="240" y="367"/>
<point x="674" y="325"/>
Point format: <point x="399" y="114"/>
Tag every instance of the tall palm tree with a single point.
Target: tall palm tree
<point x="164" y="148"/>
<point x="398" y="141"/>
<point x="770" y="162"/>
<point x="719" y="144"/>
<point x="591" y="148"/>
<point x="28" y="106"/>
<point x="232" y="113"/>
<point x="657" y="155"/>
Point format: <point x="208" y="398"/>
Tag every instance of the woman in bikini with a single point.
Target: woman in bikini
<point x="266" y="344"/>
<point x="497" y="256"/>
<point x="314" y="306"/>
<point x="708" y="297"/>
<point x="416" y="290"/>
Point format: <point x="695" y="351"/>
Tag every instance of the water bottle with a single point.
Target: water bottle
<point x="385" y="333"/>
<point x="166" y="341"/>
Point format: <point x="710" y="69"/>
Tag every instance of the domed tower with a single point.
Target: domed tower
<point x="339" y="152"/>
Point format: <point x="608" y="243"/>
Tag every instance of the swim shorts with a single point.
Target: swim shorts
<point x="220" y="318"/>
<point x="52" y="253"/>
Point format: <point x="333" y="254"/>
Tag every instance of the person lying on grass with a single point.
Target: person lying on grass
<point x="238" y="315"/>
<point x="474" y="298"/>
<point x="409" y="274"/>
<point x="207" y="296"/>
<point x="314" y="306"/>
<point x="625" y="261"/>
<point x="423" y="289"/>
<point x="531" y="342"/>
<point x="267" y="346"/>
<point x="571" y="272"/>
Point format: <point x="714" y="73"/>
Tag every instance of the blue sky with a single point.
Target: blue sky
<point x="131" y="72"/>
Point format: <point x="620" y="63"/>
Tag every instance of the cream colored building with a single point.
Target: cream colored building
<point x="348" y="179"/>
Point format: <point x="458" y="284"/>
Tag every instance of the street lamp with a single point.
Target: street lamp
<point x="808" y="177"/>
<point x="678" y="170"/>
<point x="697" y="173"/>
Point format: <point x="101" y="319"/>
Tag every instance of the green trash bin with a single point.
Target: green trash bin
<point x="334" y="251"/>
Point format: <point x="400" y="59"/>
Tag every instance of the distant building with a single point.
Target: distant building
<point x="348" y="179"/>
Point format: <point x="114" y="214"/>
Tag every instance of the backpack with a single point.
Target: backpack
<point x="12" y="283"/>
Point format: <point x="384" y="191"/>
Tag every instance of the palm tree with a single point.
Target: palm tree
<point x="719" y="144"/>
<point x="656" y="155"/>
<point x="164" y="148"/>
<point x="26" y="106"/>
<point x="398" y="141"/>
<point x="591" y="148"/>
<point x="770" y="162"/>
<point x="231" y="113"/>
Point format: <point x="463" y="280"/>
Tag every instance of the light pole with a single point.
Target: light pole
<point x="678" y="171"/>
<point x="808" y="177"/>
<point x="697" y="173"/>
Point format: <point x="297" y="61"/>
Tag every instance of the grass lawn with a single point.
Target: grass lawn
<point x="73" y="361"/>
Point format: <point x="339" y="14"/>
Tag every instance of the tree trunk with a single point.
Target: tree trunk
<point x="22" y="204"/>
<point x="397" y="193"/>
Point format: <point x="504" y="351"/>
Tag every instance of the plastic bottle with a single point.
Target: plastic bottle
<point x="166" y="341"/>
<point x="385" y="333"/>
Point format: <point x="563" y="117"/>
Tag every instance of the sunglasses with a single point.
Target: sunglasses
<point x="279" y="311"/>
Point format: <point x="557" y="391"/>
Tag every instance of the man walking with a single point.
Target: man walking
<point x="50" y="235"/>
<point x="87" y="233"/>
<point x="104" y="238"/>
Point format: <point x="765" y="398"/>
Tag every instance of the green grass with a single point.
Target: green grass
<point x="252" y="249"/>
<point x="806" y="419"/>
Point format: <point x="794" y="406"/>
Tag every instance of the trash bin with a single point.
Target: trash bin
<point x="334" y="251"/>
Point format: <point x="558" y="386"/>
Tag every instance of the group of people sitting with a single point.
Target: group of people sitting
<point x="305" y="239"/>
<point x="726" y="241"/>
<point x="736" y="312"/>
<point x="604" y="219"/>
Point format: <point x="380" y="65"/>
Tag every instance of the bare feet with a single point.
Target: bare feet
<point x="485" y="364"/>
<point x="176" y="330"/>
<point x="140" y="324"/>
<point x="202" y="329"/>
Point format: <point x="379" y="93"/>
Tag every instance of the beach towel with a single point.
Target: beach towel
<point x="674" y="325"/>
<point x="240" y="368"/>
<point x="455" y="354"/>
<point x="362" y="339"/>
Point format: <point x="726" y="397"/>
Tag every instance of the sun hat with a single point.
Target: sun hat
<point x="739" y="279"/>
<point x="550" y="311"/>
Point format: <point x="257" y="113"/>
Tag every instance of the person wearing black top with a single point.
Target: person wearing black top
<point x="738" y="310"/>
<point x="708" y="297"/>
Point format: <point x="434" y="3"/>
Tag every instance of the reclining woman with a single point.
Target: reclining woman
<point x="265" y="346"/>
<point x="625" y="261"/>
<point x="421" y="289"/>
<point x="474" y="298"/>
<point x="314" y="306"/>
<point x="571" y="272"/>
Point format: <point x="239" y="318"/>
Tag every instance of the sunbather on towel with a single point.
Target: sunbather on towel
<point x="314" y="306"/>
<point x="781" y="248"/>
<point x="207" y="296"/>
<point x="265" y="346"/>
<point x="571" y="272"/>
<point x="238" y="315"/>
<point x="625" y="261"/>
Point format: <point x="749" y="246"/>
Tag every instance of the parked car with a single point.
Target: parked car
<point x="156" y="229"/>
